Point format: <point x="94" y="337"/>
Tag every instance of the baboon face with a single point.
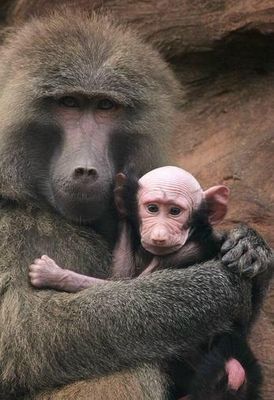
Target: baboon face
<point x="79" y="87"/>
<point x="81" y="167"/>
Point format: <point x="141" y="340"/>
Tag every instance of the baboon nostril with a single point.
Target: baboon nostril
<point x="79" y="171"/>
<point x="90" y="173"/>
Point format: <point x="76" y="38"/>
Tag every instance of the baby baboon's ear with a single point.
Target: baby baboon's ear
<point x="217" y="198"/>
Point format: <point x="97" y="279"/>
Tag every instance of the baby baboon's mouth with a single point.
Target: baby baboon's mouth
<point x="160" y="250"/>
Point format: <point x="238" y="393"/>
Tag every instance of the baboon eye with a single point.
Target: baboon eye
<point x="106" y="104"/>
<point x="69" y="101"/>
<point x="175" y="210"/>
<point x="152" y="208"/>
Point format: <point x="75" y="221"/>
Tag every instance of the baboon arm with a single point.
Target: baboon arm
<point x="153" y="266"/>
<point x="52" y="338"/>
<point x="123" y="263"/>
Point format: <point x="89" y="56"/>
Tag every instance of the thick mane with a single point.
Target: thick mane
<point x="68" y="53"/>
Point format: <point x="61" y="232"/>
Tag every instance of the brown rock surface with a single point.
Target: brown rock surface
<point x="176" y="26"/>
<point x="223" y="53"/>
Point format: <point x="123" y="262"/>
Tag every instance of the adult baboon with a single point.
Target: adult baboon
<point x="79" y="98"/>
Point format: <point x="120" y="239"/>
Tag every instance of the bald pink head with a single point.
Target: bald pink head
<point x="167" y="198"/>
<point x="173" y="183"/>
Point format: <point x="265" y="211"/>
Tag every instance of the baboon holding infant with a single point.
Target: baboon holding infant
<point x="80" y="98"/>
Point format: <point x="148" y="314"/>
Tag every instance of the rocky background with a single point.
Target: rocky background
<point x="223" y="53"/>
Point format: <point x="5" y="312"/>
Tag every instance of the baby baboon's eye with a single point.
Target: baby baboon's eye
<point x="152" y="208"/>
<point x="175" y="210"/>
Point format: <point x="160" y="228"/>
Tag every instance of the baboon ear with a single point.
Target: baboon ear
<point x="217" y="198"/>
<point x="120" y="180"/>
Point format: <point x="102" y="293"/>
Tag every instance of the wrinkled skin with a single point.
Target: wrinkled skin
<point x="167" y="198"/>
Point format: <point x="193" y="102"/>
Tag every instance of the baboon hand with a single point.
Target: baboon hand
<point x="44" y="272"/>
<point x="246" y="252"/>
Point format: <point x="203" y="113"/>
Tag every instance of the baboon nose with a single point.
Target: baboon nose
<point x="85" y="173"/>
<point x="159" y="236"/>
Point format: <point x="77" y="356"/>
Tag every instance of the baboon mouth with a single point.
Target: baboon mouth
<point x="85" y="207"/>
<point x="73" y="196"/>
<point x="161" y="250"/>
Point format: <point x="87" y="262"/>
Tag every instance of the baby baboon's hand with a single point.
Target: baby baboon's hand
<point x="44" y="272"/>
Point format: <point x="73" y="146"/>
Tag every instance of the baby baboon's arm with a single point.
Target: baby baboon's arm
<point x="45" y="273"/>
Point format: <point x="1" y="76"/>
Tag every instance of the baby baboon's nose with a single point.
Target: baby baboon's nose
<point x="159" y="236"/>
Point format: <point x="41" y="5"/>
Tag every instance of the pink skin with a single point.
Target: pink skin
<point x="44" y="272"/>
<point x="166" y="199"/>
<point x="235" y="373"/>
